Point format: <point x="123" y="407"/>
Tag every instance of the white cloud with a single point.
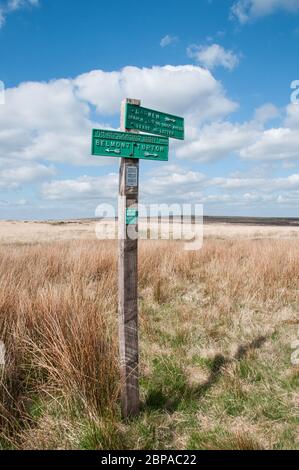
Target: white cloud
<point x="44" y="121"/>
<point x="217" y="140"/>
<point x="292" y="116"/>
<point x="84" y="187"/>
<point x="185" y="90"/>
<point x="246" y="10"/>
<point x="158" y="184"/>
<point x="266" y="113"/>
<point x="214" y="55"/>
<point x="51" y="121"/>
<point x="161" y="184"/>
<point x="251" y="140"/>
<point x="274" y="144"/>
<point x="167" y="40"/>
<point x="19" y="202"/>
<point x="101" y="89"/>
<point x="190" y="186"/>
<point x="262" y="184"/>
<point x="13" y="5"/>
<point x="13" y="178"/>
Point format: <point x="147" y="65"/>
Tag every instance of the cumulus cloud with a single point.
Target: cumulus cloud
<point x="156" y="185"/>
<point x="191" y="186"/>
<point x="52" y="121"/>
<point x="13" y="5"/>
<point x="84" y="187"/>
<point x="277" y="143"/>
<point x="274" y="144"/>
<point x="187" y="184"/>
<point x="167" y="40"/>
<point x="266" y="113"/>
<point x="43" y="124"/>
<point x="292" y="116"/>
<point x="214" y="55"/>
<point x="262" y="184"/>
<point x="13" y="178"/>
<point x="44" y="121"/>
<point x="252" y="140"/>
<point x="7" y="204"/>
<point x="217" y="140"/>
<point x="185" y="90"/>
<point x="246" y="10"/>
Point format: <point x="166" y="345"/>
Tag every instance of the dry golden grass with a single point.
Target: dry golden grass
<point x="215" y="325"/>
<point x="12" y="232"/>
<point x="56" y="304"/>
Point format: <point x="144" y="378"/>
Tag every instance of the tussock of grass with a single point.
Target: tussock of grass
<point x="215" y="332"/>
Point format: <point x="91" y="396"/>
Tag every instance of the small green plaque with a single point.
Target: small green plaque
<point x="131" y="216"/>
<point x="129" y="145"/>
<point x="154" y="122"/>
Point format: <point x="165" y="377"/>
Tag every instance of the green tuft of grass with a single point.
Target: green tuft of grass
<point x="167" y="385"/>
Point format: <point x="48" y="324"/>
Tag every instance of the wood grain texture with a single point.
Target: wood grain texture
<point x="128" y="289"/>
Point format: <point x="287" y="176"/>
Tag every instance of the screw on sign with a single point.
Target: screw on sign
<point x="131" y="146"/>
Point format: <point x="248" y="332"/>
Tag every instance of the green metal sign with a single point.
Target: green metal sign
<point x="129" y="145"/>
<point x="154" y="122"/>
<point x="131" y="216"/>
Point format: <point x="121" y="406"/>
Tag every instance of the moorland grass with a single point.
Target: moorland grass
<point x="216" y="328"/>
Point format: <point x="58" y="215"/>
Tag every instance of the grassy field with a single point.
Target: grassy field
<point x="216" y="328"/>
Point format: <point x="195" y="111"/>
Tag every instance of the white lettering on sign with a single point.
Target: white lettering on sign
<point x="132" y="176"/>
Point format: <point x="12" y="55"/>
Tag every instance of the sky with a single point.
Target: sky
<point x="229" y="67"/>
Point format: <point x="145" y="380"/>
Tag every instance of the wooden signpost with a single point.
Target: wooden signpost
<point x="131" y="146"/>
<point x="128" y="281"/>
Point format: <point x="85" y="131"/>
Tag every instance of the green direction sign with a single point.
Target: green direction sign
<point x="154" y="122"/>
<point x="129" y="145"/>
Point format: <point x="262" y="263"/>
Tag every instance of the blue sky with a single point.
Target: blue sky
<point x="226" y="66"/>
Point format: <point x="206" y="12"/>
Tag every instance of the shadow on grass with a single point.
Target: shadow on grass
<point x="168" y="387"/>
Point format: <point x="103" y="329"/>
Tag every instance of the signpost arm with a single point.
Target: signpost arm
<point x="128" y="283"/>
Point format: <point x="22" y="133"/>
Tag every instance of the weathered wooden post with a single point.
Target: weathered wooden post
<point x="131" y="146"/>
<point x="128" y="277"/>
